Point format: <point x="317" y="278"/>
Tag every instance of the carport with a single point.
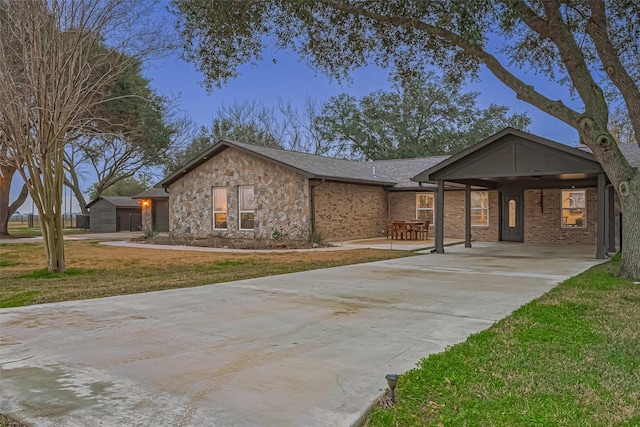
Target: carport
<point x="511" y="162"/>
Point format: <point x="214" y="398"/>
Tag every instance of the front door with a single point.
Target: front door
<point x="512" y="216"/>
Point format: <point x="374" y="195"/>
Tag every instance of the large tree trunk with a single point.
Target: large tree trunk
<point x="630" y="267"/>
<point x="626" y="181"/>
<point x="6" y="209"/>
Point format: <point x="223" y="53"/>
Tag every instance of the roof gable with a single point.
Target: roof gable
<point x="512" y="153"/>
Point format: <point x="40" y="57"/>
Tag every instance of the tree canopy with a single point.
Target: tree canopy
<point x="423" y="116"/>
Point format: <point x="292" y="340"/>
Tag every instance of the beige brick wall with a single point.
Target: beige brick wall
<point x="543" y="222"/>
<point x="350" y="211"/>
<point x="454" y="218"/>
<point x="402" y="206"/>
<point x="281" y="197"/>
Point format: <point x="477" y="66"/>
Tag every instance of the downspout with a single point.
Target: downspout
<point x="312" y="203"/>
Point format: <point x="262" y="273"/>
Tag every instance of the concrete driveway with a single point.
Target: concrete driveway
<point x="306" y="349"/>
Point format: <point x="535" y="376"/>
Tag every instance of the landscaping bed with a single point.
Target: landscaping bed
<point x="227" y="242"/>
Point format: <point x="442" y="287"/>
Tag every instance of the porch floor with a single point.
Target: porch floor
<point x="400" y="245"/>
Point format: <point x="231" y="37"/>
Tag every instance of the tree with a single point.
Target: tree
<point x="135" y="132"/>
<point x="621" y="128"/>
<point x="54" y="72"/>
<point x="589" y="46"/>
<point x="253" y="123"/>
<point x="124" y="187"/>
<point x="423" y="116"/>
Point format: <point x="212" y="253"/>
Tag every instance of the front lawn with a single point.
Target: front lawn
<point x="569" y="358"/>
<point x="95" y="270"/>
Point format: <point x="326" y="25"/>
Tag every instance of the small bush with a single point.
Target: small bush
<point x="149" y="232"/>
<point x="278" y="235"/>
<point x="317" y="238"/>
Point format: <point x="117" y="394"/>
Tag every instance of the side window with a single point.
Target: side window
<point x="219" y="208"/>
<point x="246" y="207"/>
<point x="479" y="208"/>
<point x="424" y="206"/>
<point x="574" y="208"/>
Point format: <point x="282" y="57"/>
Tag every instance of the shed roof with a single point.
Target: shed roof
<point x="152" y="193"/>
<point x="117" y="201"/>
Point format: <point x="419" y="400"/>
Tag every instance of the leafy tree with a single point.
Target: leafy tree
<point x="124" y="187"/>
<point x="54" y="72"/>
<point x="134" y="133"/>
<point x="621" y="128"/>
<point x="423" y="116"/>
<point x="589" y="46"/>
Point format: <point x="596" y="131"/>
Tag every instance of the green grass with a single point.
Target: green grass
<point x="46" y="274"/>
<point x="569" y="358"/>
<point x="95" y="271"/>
<point x="18" y="300"/>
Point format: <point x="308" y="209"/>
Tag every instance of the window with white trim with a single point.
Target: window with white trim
<point x="574" y="208"/>
<point x="219" y="208"/>
<point x="425" y="206"/>
<point x="246" y="207"/>
<point x="480" y="208"/>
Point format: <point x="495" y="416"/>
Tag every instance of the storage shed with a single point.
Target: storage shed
<point x="114" y="213"/>
<point x="155" y="208"/>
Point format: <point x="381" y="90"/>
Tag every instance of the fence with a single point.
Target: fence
<point x="33" y="221"/>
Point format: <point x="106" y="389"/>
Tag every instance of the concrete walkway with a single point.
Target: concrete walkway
<point x="303" y="349"/>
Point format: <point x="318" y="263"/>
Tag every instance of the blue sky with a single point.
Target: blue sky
<point x="292" y="80"/>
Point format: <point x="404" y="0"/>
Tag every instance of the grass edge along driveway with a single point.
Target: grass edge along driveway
<point x="570" y="357"/>
<point x="96" y="271"/>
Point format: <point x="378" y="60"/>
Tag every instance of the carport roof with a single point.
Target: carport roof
<point x="513" y="155"/>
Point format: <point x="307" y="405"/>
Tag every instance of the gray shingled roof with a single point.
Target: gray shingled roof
<point x="310" y="165"/>
<point x="117" y="201"/>
<point x="632" y="153"/>
<point x="152" y="193"/>
<point x="402" y="170"/>
<point x="320" y="166"/>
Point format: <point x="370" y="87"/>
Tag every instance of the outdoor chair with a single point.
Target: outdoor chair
<point x="389" y="228"/>
<point x="399" y="229"/>
<point x="422" y="231"/>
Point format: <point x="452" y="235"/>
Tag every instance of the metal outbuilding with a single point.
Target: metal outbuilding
<point x="114" y="213"/>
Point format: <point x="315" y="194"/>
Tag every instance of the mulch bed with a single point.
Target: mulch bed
<point x="227" y="243"/>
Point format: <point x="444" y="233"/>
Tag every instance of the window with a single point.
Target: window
<point x="246" y="207"/>
<point x="424" y="206"/>
<point x="480" y="208"/>
<point x="574" y="208"/>
<point x="219" y="208"/>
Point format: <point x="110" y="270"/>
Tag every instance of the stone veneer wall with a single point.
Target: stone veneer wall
<point x="350" y="211"/>
<point x="403" y="207"/>
<point x="282" y="197"/>
<point x="543" y="223"/>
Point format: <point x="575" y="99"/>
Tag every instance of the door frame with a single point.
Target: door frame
<point x="504" y="195"/>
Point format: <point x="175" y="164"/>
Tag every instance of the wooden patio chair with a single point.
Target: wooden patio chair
<point x="422" y="231"/>
<point x="400" y="229"/>
<point x="389" y="228"/>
